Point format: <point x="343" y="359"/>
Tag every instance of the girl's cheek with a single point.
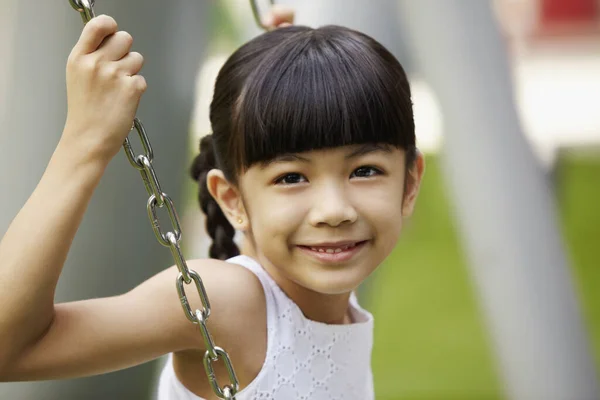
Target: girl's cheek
<point x="278" y="211"/>
<point x="385" y="196"/>
<point x="381" y="205"/>
<point x="288" y="209"/>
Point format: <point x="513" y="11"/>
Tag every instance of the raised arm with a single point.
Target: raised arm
<point x="40" y="340"/>
<point x="103" y="94"/>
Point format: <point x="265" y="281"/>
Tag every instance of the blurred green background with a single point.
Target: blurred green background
<point x="430" y="339"/>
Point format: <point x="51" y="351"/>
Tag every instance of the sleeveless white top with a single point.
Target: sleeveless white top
<point x="305" y="359"/>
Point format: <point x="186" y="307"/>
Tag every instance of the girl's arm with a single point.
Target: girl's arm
<point x="103" y="91"/>
<point x="35" y="246"/>
<point x="39" y="340"/>
<point x="96" y="336"/>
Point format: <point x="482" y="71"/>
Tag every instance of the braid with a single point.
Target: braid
<point x="217" y="225"/>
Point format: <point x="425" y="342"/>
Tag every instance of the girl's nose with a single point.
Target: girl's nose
<point x="331" y="206"/>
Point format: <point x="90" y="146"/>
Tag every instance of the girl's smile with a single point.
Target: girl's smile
<point x="334" y="253"/>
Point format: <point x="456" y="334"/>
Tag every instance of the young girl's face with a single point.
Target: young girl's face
<point x="325" y="219"/>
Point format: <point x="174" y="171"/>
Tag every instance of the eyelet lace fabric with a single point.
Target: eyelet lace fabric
<point x="305" y="359"/>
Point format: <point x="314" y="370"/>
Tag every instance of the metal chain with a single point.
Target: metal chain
<point x="171" y="239"/>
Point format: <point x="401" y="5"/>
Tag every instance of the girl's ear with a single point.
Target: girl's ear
<point x="228" y="197"/>
<point x="412" y="185"/>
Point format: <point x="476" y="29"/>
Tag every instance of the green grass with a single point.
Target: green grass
<point x="579" y="198"/>
<point x="430" y="341"/>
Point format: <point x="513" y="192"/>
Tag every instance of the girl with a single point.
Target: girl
<point x="312" y="156"/>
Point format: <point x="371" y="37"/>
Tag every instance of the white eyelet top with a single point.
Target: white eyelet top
<point x="305" y="359"/>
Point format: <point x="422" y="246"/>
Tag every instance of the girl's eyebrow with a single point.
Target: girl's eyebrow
<point x="361" y="151"/>
<point x="289" y="157"/>
<point x="368" y="148"/>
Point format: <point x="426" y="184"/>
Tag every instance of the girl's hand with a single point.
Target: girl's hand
<point x="103" y="89"/>
<point x="279" y="16"/>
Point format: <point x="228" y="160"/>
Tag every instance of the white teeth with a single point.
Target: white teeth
<point x="333" y="250"/>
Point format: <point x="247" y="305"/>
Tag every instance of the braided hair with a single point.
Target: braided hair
<point x="217" y="225"/>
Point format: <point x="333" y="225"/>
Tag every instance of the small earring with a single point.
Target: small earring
<point x="240" y="220"/>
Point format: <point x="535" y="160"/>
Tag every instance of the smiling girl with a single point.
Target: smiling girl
<point x="312" y="157"/>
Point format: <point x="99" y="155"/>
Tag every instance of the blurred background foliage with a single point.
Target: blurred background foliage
<point x="430" y="342"/>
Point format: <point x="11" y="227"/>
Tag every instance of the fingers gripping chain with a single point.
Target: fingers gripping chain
<point x="171" y="239"/>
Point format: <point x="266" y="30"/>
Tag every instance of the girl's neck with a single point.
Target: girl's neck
<point x="325" y="308"/>
<point x="332" y="309"/>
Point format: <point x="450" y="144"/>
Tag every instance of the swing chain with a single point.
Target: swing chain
<point x="256" y="13"/>
<point x="85" y="8"/>
<point x="159" y="199"/>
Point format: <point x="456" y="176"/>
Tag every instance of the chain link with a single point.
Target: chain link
<point x="159" y="199"/>
<point x="85" y="8"/>
<point x="153" y="216"/>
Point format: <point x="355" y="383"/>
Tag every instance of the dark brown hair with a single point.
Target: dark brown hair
<point x="298" y="89"/>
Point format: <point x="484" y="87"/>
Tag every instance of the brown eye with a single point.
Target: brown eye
<point x="365" y="172"/>
<point x="290" y="179"/>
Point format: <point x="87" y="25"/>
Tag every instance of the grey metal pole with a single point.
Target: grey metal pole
<point x="115" y="248"/>
<point x="503" y="204"/>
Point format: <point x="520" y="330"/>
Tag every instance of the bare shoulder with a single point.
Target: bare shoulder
<point x="237" y="323"/>
<point x="235" y="294"/>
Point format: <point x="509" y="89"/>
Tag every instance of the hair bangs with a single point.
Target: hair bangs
<point x="323" y="88"/>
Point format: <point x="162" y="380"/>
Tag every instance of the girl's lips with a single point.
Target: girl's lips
<point x="334" y="254"/>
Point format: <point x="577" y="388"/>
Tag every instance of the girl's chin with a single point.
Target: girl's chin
<point x="332" y="281"/>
